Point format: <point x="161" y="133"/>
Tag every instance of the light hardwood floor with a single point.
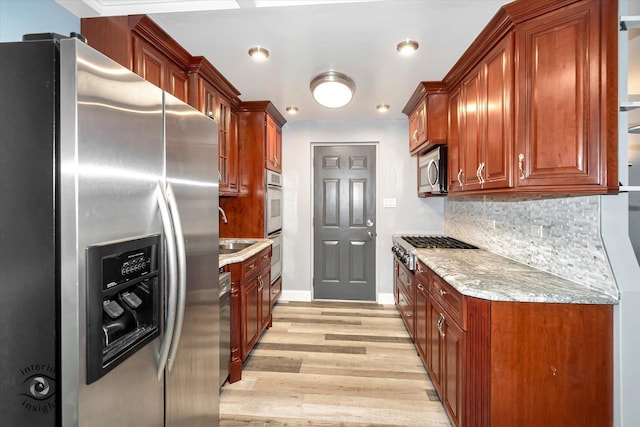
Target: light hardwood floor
<point x="333" y="364"/>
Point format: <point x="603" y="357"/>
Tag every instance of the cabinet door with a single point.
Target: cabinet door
<point x="250" y="302"/>
<point x="223" y="116"/>
<point x="471" y="137"/>
<point x="417" y="127"/>
<point x="453" y="372"/>
<point x="265" y="298"/>
<point x="279" y="149"/>
<point x="455" y="170"/>
<point x="422" y="298"/>
<point x="177" y="82"/>
<point x="148" y="62"/>
<point x="232" y="154"/>
<point x="207" y="99"/>
<point x="498" y="116"/>
<point x="273" y="162"/>
<point x="558" y="80"/>
<point x="158" y="69"/>
<point x="434" y="346"/>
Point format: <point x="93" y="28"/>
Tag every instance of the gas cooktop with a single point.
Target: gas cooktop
<point x="404" y="246"/>
<point x="436" y="242"/>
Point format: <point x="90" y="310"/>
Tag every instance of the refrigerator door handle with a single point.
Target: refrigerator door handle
<point x="172" y="267"/>
<point x="182" y="272"/>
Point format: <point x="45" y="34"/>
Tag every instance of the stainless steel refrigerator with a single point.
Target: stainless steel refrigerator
<point x="108" y="245"/>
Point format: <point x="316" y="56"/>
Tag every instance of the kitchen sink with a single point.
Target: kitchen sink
<point x="233" y="247"/>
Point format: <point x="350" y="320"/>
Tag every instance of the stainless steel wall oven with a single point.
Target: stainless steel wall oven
<point x="274" y="221"/>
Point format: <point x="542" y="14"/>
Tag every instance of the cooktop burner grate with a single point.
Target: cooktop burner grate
<point x="436" y="242"/>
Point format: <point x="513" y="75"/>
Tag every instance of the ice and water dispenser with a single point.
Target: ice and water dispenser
<point x="123" y="301"/>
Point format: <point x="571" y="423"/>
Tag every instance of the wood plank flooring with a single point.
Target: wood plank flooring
<point x="333" y="364"/>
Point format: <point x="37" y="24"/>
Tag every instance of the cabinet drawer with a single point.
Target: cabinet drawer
<point x="250" y="267"/>
<point x="264" y="258"/>
<point x="450" y="299"/>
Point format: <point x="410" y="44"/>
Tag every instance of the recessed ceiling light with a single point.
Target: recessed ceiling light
<point x="258" y="53"/>
<point x="407" y="47"/>
<point x="292" y="110"/>
<point x="382" y="108"/>
<point x="332" y="89"/>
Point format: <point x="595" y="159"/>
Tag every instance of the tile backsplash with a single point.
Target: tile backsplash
<point x="559" y="235"/>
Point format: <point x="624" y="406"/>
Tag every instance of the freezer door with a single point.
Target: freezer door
<point x="191" y="172"/>
<point x="111" y="158"/>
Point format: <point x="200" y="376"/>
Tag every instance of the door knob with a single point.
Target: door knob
<point x="372" y="235"/>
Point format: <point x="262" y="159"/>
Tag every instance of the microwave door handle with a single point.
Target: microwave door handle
<point x="172" y="269"/>
<point x="182" y="274"/>
<point x="432" y="163"/>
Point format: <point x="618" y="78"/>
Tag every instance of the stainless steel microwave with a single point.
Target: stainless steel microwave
<point x="432" y="171"/>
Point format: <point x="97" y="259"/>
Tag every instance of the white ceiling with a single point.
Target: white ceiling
<point x="356" y="37"/>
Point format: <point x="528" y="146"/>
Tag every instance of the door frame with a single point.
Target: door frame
<point x="376" y="145"/>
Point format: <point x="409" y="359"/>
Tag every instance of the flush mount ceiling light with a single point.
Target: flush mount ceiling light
<point x="407" y="47"/>
<point x="292" y="110"/>
<point x="382" y="108"/>
<point x="258" y="53"/>
<point x="332" y="89"/>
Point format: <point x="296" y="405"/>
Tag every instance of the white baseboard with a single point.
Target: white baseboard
<point x="304" y="296"/>
<point x="385" y="298"/>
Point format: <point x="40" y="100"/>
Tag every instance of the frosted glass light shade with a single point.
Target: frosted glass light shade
<point x="332" y="89"/>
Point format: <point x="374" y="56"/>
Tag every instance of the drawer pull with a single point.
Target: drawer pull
<point x="440" y="325"/>
<point x="420" y="287"/>
<point x="442" y="292"/>
<point x="265" y="256"/>
<point x="252" y="266"/>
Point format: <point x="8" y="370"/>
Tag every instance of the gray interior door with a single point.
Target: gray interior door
<point x="344" y="222"/>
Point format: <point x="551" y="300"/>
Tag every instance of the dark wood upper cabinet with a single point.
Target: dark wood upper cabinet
<point x="139" y="44"/>
<point x="485" y="122"/>
<point x="259" y="138"/>
<point x="136" y="42"/>
<point x="559" y="83"/>
<point x="427" y="112"/>
<point x="533" y="102"/>
<point x="214" y="96"/>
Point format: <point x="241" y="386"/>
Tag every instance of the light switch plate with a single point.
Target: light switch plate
<point x="389" y="203"/>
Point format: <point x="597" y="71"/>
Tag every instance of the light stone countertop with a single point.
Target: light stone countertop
<point x="482" y="274"/>
<point x="244" y="254"/>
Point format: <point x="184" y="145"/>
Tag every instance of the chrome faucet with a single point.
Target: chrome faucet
<point x="224" y="216"/>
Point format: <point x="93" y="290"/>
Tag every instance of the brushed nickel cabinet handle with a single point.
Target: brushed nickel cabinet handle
<point x="521" y="165"/>
<point x="459" y="176"/>
<point x="440" y="325"/>
<point x="442" y="292"/>
<point x="415" y="135"/>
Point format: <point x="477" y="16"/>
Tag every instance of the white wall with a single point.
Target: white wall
<point x="396" y="173"/>
<point x="19" y="17"/>
<point x="619" y="230"/>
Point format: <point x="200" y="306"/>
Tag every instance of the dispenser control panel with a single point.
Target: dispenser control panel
<point x="123" y="301"/>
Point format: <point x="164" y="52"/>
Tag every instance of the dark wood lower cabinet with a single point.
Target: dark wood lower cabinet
<point x="250" y="307"/>
<point x="504" y="364"/>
